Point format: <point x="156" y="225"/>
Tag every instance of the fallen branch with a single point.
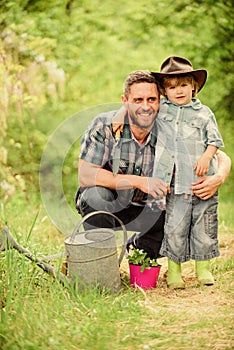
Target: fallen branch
<point x="7" y="241"/>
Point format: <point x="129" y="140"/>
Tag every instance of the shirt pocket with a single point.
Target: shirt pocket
<point x="164" y="117"/>
<point x="192" y="130"/>
<point x="123" y="166"/>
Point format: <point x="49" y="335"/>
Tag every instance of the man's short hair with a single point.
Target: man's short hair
<point x="139" y="76"/>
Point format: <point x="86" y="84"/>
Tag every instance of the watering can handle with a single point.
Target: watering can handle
<point x="125" y="235"/>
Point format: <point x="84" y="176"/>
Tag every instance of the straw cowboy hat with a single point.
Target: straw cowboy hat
<point x="178" y="65"/>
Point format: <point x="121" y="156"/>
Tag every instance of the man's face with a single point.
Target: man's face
<point x="142" y="104"/>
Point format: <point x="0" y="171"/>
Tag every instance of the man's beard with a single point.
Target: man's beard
<point x="137" y="121"/>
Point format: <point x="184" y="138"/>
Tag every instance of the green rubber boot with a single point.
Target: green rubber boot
<point x="174" y="279"/>
<point x="203" y="273"/>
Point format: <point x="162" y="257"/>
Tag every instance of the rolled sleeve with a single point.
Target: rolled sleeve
<point x="94" y="146"/>
<point x="213" y="135"/>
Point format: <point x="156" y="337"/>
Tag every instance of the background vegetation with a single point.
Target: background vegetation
<point x="57" y="58"/>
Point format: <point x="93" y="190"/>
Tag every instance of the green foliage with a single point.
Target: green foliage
<point x="139" y="257"/>
<point x="97" y="43"/>
<point x="27" y="82"/>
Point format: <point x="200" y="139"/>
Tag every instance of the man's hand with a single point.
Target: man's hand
<point x="153" y="186"/>
<point x="206" y="186"/>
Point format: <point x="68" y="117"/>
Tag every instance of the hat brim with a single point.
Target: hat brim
<point x="199" y="74"/>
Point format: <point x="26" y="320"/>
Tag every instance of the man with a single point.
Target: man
<point x="115" y="167"/>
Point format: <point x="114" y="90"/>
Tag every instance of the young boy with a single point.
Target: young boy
<point x="188" y="139"/>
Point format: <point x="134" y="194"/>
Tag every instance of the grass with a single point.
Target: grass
<point x="39" y="313"/>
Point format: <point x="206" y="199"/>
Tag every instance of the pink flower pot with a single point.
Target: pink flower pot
<point x="146" y="279"/>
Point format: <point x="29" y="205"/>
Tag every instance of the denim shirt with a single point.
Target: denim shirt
<point x="183" y="133"/>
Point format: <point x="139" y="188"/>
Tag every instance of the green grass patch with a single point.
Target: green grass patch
<point x="37" y="312"/>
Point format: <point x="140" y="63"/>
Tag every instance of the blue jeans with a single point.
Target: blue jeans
<point x="191" y="228"/>
<point x="149" y="223"/>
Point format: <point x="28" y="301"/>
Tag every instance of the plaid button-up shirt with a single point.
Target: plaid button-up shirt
<point x="183" y="135"/>
<point x="100" y="146"/>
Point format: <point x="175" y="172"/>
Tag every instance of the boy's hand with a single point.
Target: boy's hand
<point x="202" y="165"/>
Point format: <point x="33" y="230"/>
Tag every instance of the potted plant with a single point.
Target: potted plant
<point x="144" y="271"/>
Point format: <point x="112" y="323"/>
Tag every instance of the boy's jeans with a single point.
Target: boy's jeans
<point x="191" y="228"/>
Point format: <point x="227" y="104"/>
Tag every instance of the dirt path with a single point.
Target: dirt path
<point x="182" y="315"/>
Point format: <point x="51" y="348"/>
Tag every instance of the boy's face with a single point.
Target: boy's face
<point x="179" y="92"/>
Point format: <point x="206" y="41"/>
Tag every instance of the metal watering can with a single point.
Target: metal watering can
<point x="92" y="257"/>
